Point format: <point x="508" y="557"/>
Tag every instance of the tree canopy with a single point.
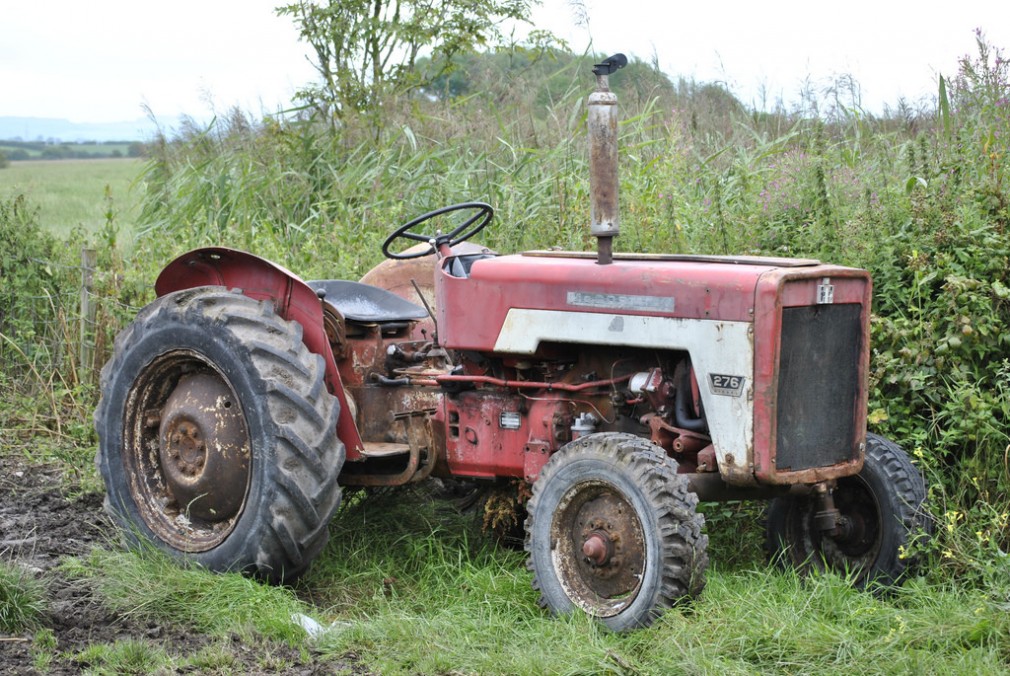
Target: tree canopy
<point x="365" y="50"/>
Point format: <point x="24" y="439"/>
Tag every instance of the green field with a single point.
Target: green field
<point x="72" y="193"/>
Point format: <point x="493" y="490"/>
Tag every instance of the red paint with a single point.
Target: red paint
<point x="530" y="384"/>
<point x="701" y="289"/>
<point x="477" y="445"/>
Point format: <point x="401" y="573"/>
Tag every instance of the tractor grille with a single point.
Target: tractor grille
<point x="818" y="386"/>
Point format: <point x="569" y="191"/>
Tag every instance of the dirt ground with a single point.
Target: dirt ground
<point x="42" y="519"/>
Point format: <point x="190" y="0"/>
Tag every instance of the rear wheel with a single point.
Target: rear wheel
<point x="881" y="508"/>
<point x="218" y="436"/>
<point x="613" y="530"/>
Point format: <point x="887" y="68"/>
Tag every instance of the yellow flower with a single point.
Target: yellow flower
<point x="952" y="517"/>
<point x="877" y="416"/>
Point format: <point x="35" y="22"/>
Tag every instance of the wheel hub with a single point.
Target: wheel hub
<point x="600" y="554"/>
<point x="203" y="448"/>
<point x="186" y="451"/>
<point x="598" y="548"/>
<point x="855" y="541"/>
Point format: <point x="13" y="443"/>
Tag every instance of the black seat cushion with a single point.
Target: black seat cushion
<point x="366" y="303"/>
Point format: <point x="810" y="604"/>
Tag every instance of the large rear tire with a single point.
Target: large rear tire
<point x="217" y="435"/>
<point x="882" y="508"/>
<point x="613" y="530"/>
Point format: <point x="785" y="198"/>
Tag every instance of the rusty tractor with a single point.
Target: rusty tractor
<point x="615" y="390"/>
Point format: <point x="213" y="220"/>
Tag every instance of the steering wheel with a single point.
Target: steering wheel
<point x="462" y="232"/>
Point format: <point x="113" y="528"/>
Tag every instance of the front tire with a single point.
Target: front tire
<point x="613" y="530"/>
<point x="217" y="436"/>
<point x="882" y="508"/>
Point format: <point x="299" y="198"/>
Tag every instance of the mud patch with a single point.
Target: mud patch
<point x="43" y="518"/>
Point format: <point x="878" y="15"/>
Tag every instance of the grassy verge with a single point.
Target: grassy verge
<point x="409" y="586"/>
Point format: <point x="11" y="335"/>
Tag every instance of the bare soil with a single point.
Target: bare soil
<point x="43" y="518"/>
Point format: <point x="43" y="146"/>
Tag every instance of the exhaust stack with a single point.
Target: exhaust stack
<point x="603" y="182"/>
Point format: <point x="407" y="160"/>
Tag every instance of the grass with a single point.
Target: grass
<point x="77" y="193"/>
<point x="129" y="656"/>
<point x="44" y="645"/>
<point x="35" y="150"/>
<point x="147" y="584"/>
<point x="22" y="599"/>
<point x="410" y="586"/>
<point x="140" y="656"/>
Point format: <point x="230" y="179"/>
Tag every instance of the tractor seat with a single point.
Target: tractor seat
<point x="366" y="303"/>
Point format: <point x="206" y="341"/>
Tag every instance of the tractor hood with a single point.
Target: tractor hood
<point x="557" y="297"/>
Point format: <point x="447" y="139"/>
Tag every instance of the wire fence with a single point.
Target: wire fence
<point x="63" y="334"/>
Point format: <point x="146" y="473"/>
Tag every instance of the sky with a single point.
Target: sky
<point x="111" y="60"/>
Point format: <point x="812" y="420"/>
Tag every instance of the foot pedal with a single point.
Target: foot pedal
<point x="384" y="449"/>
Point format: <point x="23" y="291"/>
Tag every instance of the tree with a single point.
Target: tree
<point x="365" y="50"/>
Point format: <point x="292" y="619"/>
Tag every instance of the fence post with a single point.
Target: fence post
<point x="88" y="310"/>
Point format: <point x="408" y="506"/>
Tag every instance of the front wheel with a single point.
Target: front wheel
<point x="881" y="509"/>
<point x="218" y="436"/>
<point x="612" y="530"/>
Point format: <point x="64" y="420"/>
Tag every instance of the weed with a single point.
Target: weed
<point x="214" y="659"/>
<point x="130" y="656"/>
<point x="22" y="599"/>
<point x="43" y="649"/>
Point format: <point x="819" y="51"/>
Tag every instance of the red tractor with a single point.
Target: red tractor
<point x="616" y="390"/>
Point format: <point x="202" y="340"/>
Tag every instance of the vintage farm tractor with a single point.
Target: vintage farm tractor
<point x="617" y="389"/>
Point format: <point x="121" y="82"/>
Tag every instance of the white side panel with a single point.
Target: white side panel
<point x="718" y="348"/>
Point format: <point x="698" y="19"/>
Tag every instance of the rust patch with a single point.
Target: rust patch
<point x="186" y="451"/>
<point x="204" y="448"/>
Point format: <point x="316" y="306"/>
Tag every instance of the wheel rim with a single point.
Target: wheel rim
<point x="187" y="451"/>
<point x="598" y="548"/>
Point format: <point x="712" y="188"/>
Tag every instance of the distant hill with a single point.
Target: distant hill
<point x="40" y="128"/>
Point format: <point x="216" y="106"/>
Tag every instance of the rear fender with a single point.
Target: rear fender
<point x="292" y="299"/>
